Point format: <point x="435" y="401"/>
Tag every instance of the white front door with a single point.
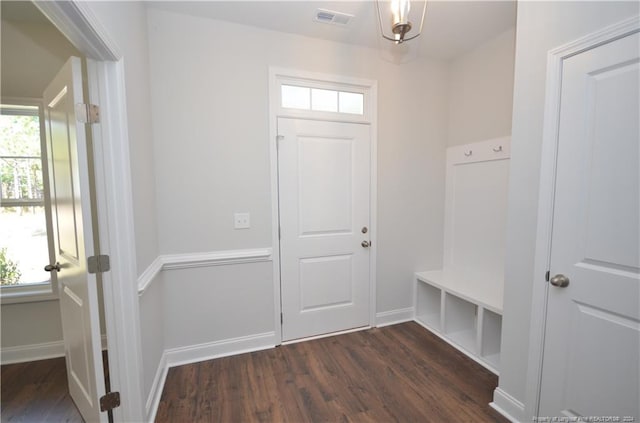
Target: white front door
<point x="592" y="343"/>
<point x="72" y="223"/>
<point x="324" y="171"/>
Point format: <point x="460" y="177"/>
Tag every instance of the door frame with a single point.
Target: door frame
<point x="106" y="82"/>
<point x="370" y="90"/>
<point x="555" y="60"/>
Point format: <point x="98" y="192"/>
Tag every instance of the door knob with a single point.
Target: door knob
<point x="560" y="280"/>
<point x="52" y="267"/>
<point x="365" y="244"/>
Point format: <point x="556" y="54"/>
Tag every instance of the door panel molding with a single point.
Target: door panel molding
<point x="555" y="62"/>
<point x="71" y="210"/>
<point x="370" y="88"/>
<point x="325" y="284"/>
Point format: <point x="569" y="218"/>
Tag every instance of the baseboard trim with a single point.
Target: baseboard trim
<point x="209" y="258"/>
<point x="35" y="352"/>
<point x="507" y="406"/>
<point x="153" y="400"/>
<point x="392" y="317"/>
<point x="211" y="350"/>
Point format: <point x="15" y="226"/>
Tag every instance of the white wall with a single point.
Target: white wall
<point x="541" y="26"/>
<point x="125" y="23"/>
<point x="210" y="108"/>
<point x="207" y="304"/>
<point x="152" y="331"/>
<point x="32" y="54"/>
<point x="481" y="91"/>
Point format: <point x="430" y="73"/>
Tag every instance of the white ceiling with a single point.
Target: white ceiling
<point x="451" y="27"/>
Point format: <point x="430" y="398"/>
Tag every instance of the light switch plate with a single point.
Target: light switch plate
<point x="242" y="221"/>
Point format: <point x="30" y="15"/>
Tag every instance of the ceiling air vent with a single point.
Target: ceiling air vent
<point x="332" y="17"/>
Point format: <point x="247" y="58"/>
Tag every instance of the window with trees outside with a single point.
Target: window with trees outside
<point x="24" y="245"/>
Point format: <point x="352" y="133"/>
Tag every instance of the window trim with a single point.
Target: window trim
<point x="323" y="82"/>
<point x="35" y="292"/>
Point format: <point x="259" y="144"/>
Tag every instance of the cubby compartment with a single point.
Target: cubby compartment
<point x="490" y="340"/>
<point x="460" y="322"/>
<point x="428" y="310"/>
<point x="462" y="301"/>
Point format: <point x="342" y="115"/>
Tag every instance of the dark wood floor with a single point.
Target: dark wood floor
<point x="36" y="392"/>
<point x="399" y="373"/>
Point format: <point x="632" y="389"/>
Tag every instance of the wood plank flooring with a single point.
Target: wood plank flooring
<point x="36" y="392"/>
<point x="399" y="373"/>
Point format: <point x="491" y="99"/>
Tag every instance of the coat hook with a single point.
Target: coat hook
<point x="497" y="150"/>
<point x="468" y="153"/>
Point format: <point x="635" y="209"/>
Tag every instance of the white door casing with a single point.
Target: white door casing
<point x="324" y="204"/>
<point x="592" y="338"/>
<point x="73" y="236"/>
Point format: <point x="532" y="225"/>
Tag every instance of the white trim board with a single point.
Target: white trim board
<point x="393" y="317"/>
<point x="555" y="58"/>
<point x="149" y="275"/>
<point x="157" y="386"/>
<point x="205" y="259"/>
<point x="223" y="348"/>
<point x="35" y="352"/>
<point x="32" y="352"/>
<point x="507" y="406"/>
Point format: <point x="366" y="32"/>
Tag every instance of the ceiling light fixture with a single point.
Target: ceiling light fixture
<point x="402" y="19"/>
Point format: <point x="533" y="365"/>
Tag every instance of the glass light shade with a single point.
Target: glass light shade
<point x="400" y="11"/>
<point x="399" y="22"/>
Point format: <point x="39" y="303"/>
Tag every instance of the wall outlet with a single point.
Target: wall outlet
<point x="241" y="221"/>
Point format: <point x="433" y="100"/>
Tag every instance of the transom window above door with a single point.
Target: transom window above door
<point x="321" y="100"/>
<point x="317" y="96"/>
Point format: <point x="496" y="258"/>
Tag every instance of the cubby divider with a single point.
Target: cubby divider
<point x="428" y="300"/>
<point x="460" y="322"/>
<point x="471" y="326"/>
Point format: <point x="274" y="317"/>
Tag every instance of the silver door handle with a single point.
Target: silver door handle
<point x="559" y="280"/>
<point x="365" y="244"/>
<point x="52" y="267"/>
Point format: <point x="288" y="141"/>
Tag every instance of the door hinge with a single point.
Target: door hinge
<point x="110" y="401"/>
<point x="546" y="275"/>
<point x="281" y="318"/>
<point x="278" y="139"/>
<point x="279" y="235"/>
<point x="87" y="113"/>
<point x="98" y="264"/>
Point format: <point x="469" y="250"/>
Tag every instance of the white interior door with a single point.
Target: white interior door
<point x="70" y="202"/>
<point x="324" y="188"/>
<point x="592" y="342"/>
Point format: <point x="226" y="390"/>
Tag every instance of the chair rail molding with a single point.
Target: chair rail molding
<point x="201" y="259"/>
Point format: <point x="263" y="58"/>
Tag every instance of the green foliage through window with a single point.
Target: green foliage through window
<point x="23" y="231"/>
<point x="9" y="273"/>
<point x="20" y="164"/>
